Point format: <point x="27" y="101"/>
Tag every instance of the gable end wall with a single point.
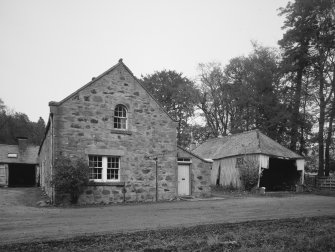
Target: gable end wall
<point x="83" y="125"/>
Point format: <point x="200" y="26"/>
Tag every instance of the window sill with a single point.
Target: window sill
<point x="123" y="132"/>
<point x="93" y="183"/>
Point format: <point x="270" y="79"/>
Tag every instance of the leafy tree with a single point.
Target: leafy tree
<point x="257" y="90"/>
<point x="2" y="115"/>
<point x="38" y="131"/>
<point x="296" y="60"/>
<point x="244" y="95"/>
<point x="214" y="98"/>
<point x="14" y="124"/>
<point x="308" y="46"/>
<point x="176" y="94"/>
<point x="199" y="133"/>
<point x="2" y="105"/>
<point x="70" y="177"/>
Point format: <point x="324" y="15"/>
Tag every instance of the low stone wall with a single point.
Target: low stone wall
<point x="102" y="194"/>
<point x="106" y="194"/>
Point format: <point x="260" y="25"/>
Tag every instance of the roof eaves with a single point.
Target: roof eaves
<point x="191" y="153"/>
<point x="259" y="153"/>
<point x="45" y="133"/>
<point x="88" y="84"/>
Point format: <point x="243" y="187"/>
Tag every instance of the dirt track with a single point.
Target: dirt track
<point x="20" y="222"/>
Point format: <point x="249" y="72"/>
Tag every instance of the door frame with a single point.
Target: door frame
<point x="185" y="161"/>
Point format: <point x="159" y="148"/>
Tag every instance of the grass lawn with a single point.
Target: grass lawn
<point x="304" y="234"/>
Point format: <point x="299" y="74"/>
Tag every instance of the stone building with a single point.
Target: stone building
<point x="19" y="164"/>
<point x="126" y="137"/>
<point x="194" y="174"/>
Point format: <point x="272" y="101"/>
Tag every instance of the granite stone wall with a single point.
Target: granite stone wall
<point x="83" y="125"/>
<point x="45" y="163"/>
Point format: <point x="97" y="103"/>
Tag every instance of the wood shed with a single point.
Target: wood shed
<point x="278" y="167"/>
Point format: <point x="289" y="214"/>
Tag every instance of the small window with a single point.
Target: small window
<point x="184" y="160"/>
<point x="120" y="117"/>
<point x="239" y="161"/>
<point x="104" y="169"/>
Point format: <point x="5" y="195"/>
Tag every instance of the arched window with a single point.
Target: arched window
<point x="120" y="117"/>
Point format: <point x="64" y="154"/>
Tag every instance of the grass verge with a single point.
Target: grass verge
<point x="303" y="234"/>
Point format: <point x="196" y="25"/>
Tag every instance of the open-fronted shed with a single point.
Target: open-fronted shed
<point x="279" y="167"/>
<point x="18" y="164"/>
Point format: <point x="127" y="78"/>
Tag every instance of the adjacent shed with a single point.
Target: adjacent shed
<point x="19" y="164"/>
<point x="193" y="174"/>
<point x="278" y="167"/>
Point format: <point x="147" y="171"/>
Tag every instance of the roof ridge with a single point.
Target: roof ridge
<point x="232" y="135"/>
<point x="245" y="132"/>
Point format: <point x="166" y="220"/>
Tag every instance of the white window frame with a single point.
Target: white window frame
<point x="120" y="117"/>
<point x="105" y="168"/>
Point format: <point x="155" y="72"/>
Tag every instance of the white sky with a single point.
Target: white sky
<point x="49" y="48"/>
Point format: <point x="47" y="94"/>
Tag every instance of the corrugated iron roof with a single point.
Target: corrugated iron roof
<point x="250" y="142"/>
<point x="29" y="156"/>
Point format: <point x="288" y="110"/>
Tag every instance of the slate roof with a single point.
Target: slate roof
<point x="29" y="156"/>
<point x="193" y="154"/>
<point x="250" y="142"/>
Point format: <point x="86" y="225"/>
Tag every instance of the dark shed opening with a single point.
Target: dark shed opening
<point x="281" y="175"/>
<point x="21" y="175"/>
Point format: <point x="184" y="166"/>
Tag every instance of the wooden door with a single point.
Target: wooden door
<point x="183" y="180"/>
<point x="3" y="176"/>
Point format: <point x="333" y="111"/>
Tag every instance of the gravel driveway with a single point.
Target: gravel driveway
<point x="21" y="222"/>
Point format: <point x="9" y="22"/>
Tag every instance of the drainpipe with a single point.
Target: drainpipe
<point x="52" y="159"/>
<point x="156" y="160"/>
<point x="124" y="192"/>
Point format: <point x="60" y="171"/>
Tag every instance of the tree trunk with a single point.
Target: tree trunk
<point x="321" y="123"/>
<point x="329" y="135"/>
<point x="302" y="125"/>
<point x="329" y="139"/>
<point x="295" y="111"/>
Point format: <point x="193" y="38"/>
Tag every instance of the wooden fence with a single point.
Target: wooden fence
<point x="325" y="183"/>
<point x="320" y="182"/>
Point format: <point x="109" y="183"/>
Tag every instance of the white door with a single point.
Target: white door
<point x="183" y="180"/>
<point x="3" y="174"/>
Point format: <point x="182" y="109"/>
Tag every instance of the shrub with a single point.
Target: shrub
<point x="70" y="177"/>
<point x="249" y="173"/>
